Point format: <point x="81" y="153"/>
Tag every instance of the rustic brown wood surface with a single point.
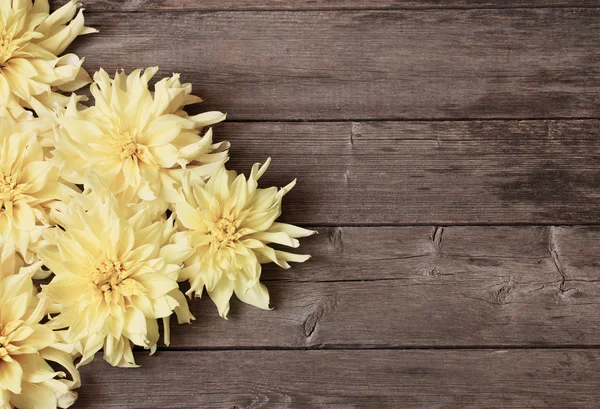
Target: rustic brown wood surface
<point x="421" y="287"/>
<point x="428" y="172"/>
<point x="211" y="5"/>
<point x="448" y="154"/>
<point x="492" y="63"/>
<point x="550" y="378"/>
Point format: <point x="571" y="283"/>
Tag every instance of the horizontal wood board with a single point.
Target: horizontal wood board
<point x="420" y="287"/>
<point x="448" y="172"/>
<point x="186" y="5"/>
<point x="353" y="65"/>
<point x="532" y="379"/>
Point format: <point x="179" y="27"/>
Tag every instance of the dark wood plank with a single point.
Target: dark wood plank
<point x="141" y="5"/>
<point x="561" y="379"/>
<point x="530" y="63"/>
<point x="428" y="172"/>
<point x="420" y="286"/>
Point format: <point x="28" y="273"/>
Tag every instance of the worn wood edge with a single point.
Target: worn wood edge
<point x="561" y="379"/>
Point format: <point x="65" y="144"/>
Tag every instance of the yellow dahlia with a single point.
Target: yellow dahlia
<point x="231" y="223"/>
<point x="31" y="40"/>
<point x="116" y="273"/>
<point x="26" y="346"/>
<point x="137" y="142"/>
<point x="29" y="185"/>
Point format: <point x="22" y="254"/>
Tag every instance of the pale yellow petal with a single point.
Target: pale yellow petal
<point x="221" y="295"/>
<point x="35" y="397"/>
<point x="11" y="376"/>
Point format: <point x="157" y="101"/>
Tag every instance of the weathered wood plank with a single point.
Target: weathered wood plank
<point x="534" y="63"/>
<point x="143" y="5"/>
<point x="428" y="172"/>
<point x="407" y="287"/>
<point x="561" y="379"/>
<point x="577" y="253"/>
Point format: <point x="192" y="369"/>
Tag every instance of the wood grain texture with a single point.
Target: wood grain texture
<point x="420" y="286"/>
<point x="142" y="5"/>
<point x="561" y="379"/>
<point x="415" y="115"/>
<point x="428" y="172"/>
<point x="530" y="63"/>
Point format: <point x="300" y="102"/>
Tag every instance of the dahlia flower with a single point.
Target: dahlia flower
<point x="116" y="273"/>
<point x="31" y="40"/>
<point x="29" y="185"/>
<point x="137" y="142"/>
<point x="26" y="346"/>
<point x="231" y="224"/>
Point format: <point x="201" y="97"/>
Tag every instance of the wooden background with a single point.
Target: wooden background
<point x="448" y="152"/>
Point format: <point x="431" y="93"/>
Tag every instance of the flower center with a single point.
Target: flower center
<point x="128" y="147"/>
<point x="8" y="183"/>
<point x="3" y="346"/>
<point x="114" y="280"/>
<point x="225" y="231"/>
<point x="7" y="48"/>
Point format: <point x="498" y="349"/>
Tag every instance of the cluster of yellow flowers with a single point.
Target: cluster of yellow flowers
<point x="113" y="204"/>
